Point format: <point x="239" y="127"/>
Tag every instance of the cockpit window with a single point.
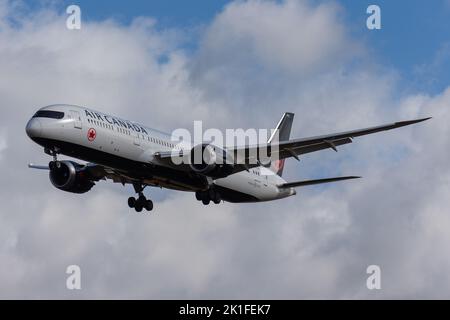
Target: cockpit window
<point x="49" y="114"/>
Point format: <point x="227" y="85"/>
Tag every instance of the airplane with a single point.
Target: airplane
<point x="129" y="153"/>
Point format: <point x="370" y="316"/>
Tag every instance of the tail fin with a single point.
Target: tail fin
<point x="282" y="133"/>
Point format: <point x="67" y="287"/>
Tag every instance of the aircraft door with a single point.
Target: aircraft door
<point x="137" y="141"/>
<point x="75" y="115"/>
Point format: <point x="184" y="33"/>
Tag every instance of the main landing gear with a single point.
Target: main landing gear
<point x="141" y="202"/>
<point x="207" y="196"/>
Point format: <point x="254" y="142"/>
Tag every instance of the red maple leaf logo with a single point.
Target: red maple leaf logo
<point x="92" y="134"/>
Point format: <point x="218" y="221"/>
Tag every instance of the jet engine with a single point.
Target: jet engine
<point x="70" y="176"/>
<point x="211" y="161"/>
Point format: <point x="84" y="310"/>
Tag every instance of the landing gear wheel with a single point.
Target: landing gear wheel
<point x="214" y="196"/>
<point x="211" y="194"/>
<point x="131" y="202"/>
<point x="149" y="205"/>
<point x="140" y="203"/>
<point x="138" y="207"/>
<point x="206" y="201"/>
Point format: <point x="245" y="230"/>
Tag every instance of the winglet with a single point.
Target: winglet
<point x="409" y="122"/>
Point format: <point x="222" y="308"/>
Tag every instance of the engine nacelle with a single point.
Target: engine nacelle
<point x="211" y="161"/>
<point x="70" y="176"/>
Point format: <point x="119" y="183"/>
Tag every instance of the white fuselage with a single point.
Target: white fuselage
<point x="108" y="140"/>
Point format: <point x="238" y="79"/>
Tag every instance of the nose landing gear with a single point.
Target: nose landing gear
<point x="53" y="152"/>
<point x="141" y="202"/>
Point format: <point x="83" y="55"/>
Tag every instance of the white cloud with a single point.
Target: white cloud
<point x="256" y="60"/>
<point x="281" y="37"/>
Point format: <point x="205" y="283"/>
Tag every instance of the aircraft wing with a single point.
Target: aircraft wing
<point x="293" y="148"/>
<point x="247" y="157"/>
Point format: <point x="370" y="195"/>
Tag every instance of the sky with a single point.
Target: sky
<point x="406" y="23"/>
<point x="233" y="64"/>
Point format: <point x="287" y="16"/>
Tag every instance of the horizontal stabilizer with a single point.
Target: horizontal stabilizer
<point x="313" y="182"/>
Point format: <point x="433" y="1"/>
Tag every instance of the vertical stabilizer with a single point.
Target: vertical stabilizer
<point x="282" y="133"/>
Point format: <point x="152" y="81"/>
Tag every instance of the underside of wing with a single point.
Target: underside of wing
<point x="99" y="172"/>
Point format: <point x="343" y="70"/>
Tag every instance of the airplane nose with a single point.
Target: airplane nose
<point x="34" y="128"/>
